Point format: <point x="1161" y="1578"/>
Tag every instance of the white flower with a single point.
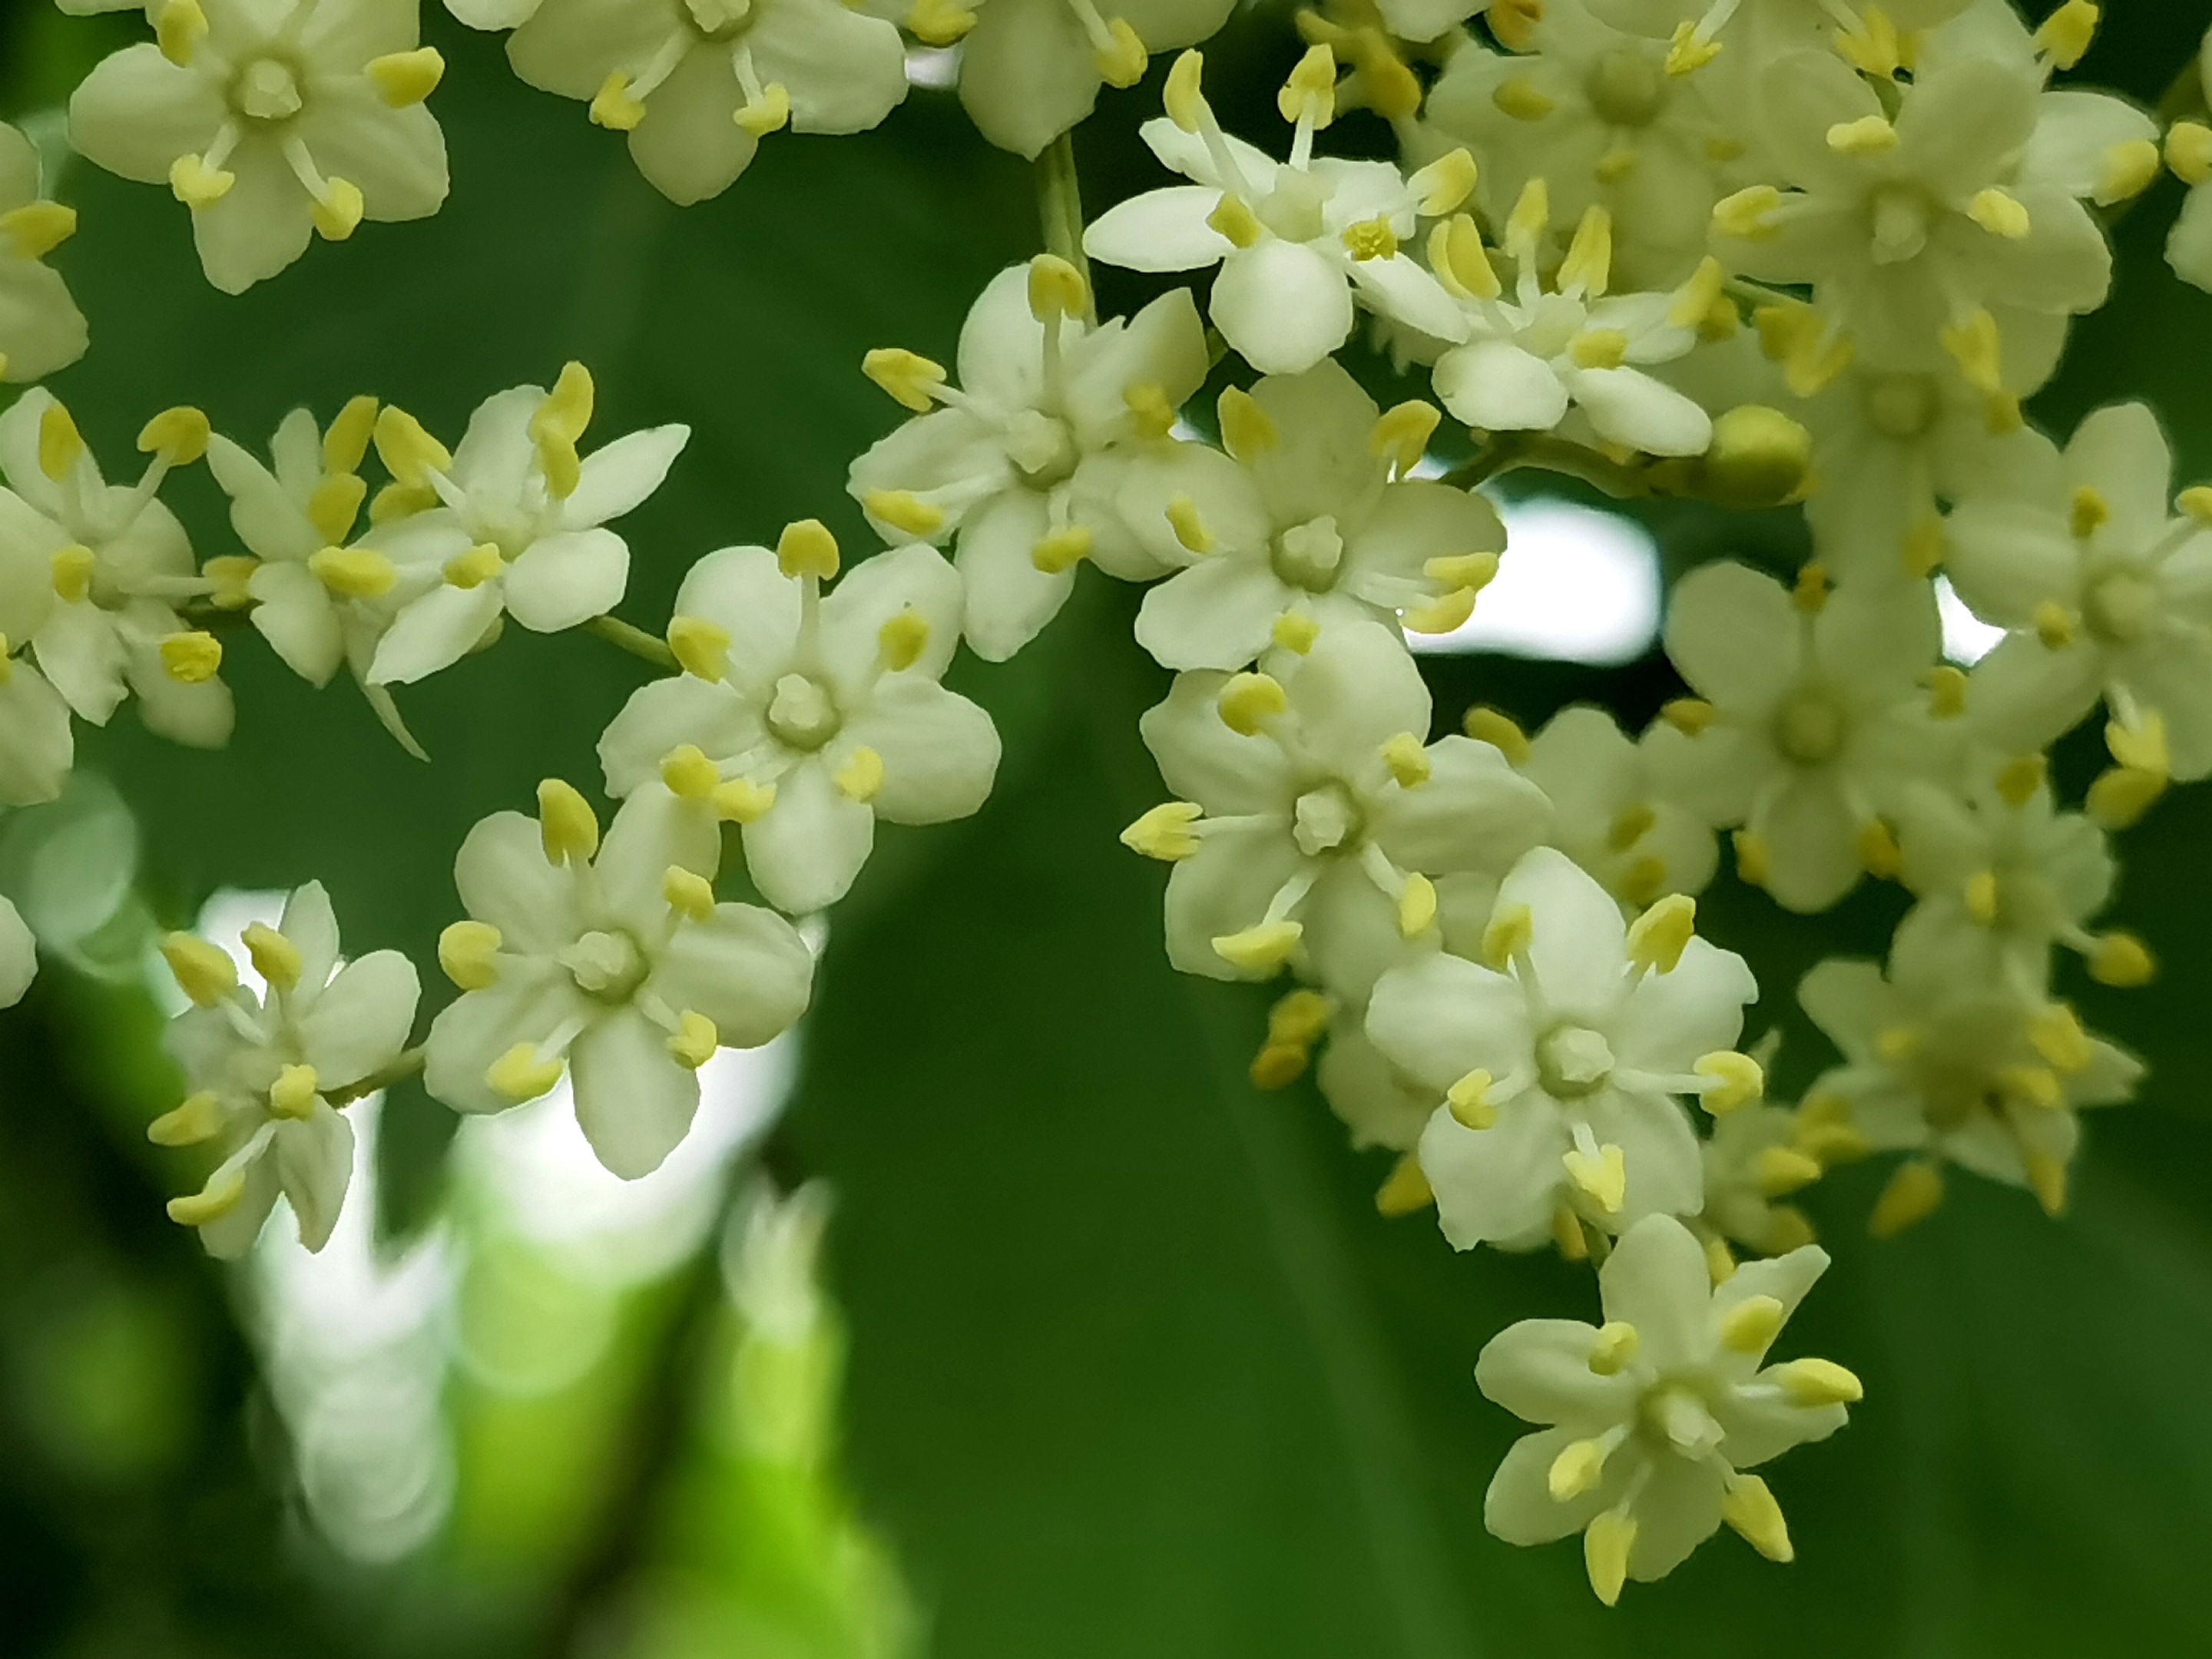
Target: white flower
<point x="1655" y="1416"/>
<point x="1608" y="817"/>
<point x="1295" y="240"/>
<point x="805" y="719"/>
<point x="1022" y="461"/>
<point x="1531" y="359"/>
<point x="1757" y="1156"/>
<point x="1312" y="816"/>
<point x="118" y="565"/>
<point x="1308" y="523"/>
<point x="271" y="120"/>
<point x="18" y="955"/>
<point x="267" y="1072"/>
<point x="515" y="521"/>
<point x="41" y="329"/>
<point x="1379" y="1104"/>
<point x="1917" y="232"/>
<point x="613" y="959"/>
<point x="2189" y="151"/>
<point x="1812" y="717"/>
<point x="2106" y="592"/>
<point x="1979" y="1075"/>
<point x="697" y="84"/>
<point x="1755" y="31"/>
<point x="1030" y="69"/>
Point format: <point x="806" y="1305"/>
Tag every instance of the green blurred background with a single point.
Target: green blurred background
<point x="1117" y="1358"/>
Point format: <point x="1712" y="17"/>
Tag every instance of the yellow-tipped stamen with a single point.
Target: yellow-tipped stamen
<point x="1688" y="715"/>
<point x="1754" y="862"/>
<point x="1121" y="61"/>
<point x="403" y="79"/>
<point x="292" y="1094"/>
<point x="1056" y="288"/>
<point x="2125" y="171"/>
<point x="1744" y="215"/>
<point x="1947" y="692"/>
<point x="1468" y="1100"/>
<point x="1459" y="261"/>
<point x="354" y="572"/>
<point x="701" y="648"/>
<point x="1588" y="268"/>
<point x="275" y="957"/>
<point x="337" y="211"/>
<point x="2188" y="152"/>
<point x="2122" y="960"/>
<point x="2065" y="36"/>
<point x="197" y="1120"/>
<point x="694" y="1041"/>
<point x="1295" y="631"/>
<point x="769" y="113"/>
<point x="689" y="893"/>
<point x="1614" y="1349"/>
<point x="1247" y="431"/>
<point x="1879" y="856"/>
<point x="1739" y="1079"/>
<point x="1401" y="435"/>
<point x="1518" y="98"/>
<point x="688" y="774"/>
<point x="1781" y="1170"/>
<point x="1441" y="615"/>
<point x="1810" y="1383"/>
<point x="1751" y="1326"/>
<point x="196" y="184"/>
<point x="913" y="381"/>
<point x="1443" y="186"/>
<point x="1870" y="135"/>
<point x="1235" y="220"/>
<point x="807" y="549"/>
<point x="467" y="950"/>
<point x="741" y="801"/>
<point x="1183" y="517"/>
<point x="612" y="106"/>
<point x="903" y="639"/>
<point x="860" y="778"/>
<point x="409" y="452"/>
<point x="1262" y="949"/>
<point x="1062" y="550"/>
<point x="1607" y="1543"/>
<point x="1577" y="1469"/>
<point x="1150" y="412"/>
<point x="1603" y="1179"/>
<point x="1310" y="94"/>
<point x="1500" y="731"/>
<point x="1508" y="936"/>
<point x="1748" y="1506"/>
<point x="1974" y="345"/>
<point x="1182" y="97"/>
<point x="1405" y="1191"/>
<point x="60" y="445"/>
<point x="1912" y="1196"/>
<point x="212" y="1202"/>
<point x="1658" y="939"/>
<point x="1248" y="702"/>
<point x="939" y="22"/>
<point x="1417" y="906"/>
<point x="37" y="229"/>
<point x="518" y="1074"/>
<point x="567" y="826"/>
<point x="1407" y="760"/>
<point x="179" y="28"/>
<point x="192" y="658"/>
<point x="204" y="973"/>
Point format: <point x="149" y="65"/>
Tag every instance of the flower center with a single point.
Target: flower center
<point x="720" y="19"/>
<point x="1292" y="209"/>
<point x="2121" y="607"/>
<point x="1042" y="448"/>
<point x="606" y="965"/>
<point x="1325" y="820"/>
<point x="1552" y="324"/>
<point x="801" y="714"/>
<point x="1810" y="727"/>
<point x="1899" y="216"/>
<point x="1627" y="89"/>
<point x="1306" y="555"/>
<point x="1901" y="406"/>
<point x="266" y="89"/>
<point x="1572" y="1061"/>
<point x="1675" y="1413"/>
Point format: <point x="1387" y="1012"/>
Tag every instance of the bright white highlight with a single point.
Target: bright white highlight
<point x="937" y="68"/>
<point x="1576" y="585"/>
<point x="1966" y="638"/>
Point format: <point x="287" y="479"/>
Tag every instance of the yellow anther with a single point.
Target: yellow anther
<point x="1897" y="1044"/>
<point x="337" y="211"/>
<point x="566" y="823"/>
<point x="1788" y="1228"/>
<point x="197" y="1119"/>
<point x="179" y="27"/>
<point x="1417" y="906"/>
<point x="1456" y="571"/>
<point x="1247" y="431"/>
<point x="2119" y="798"/>
<point x="1615" y="165"/>
<point x="1688" y="52"/>
<point x="1442" y="614"/>
<point x="1121" y="61"/>
<point x="196" y="184"/>
<point x="1500" y="731"/>
<point x="1183" y="518"/>
<point x="1056" y="288"/>
<point x="1371" y="238"/>
<point x="1261" y="949"/>
<point x="2196" y="502"/>
<point x="1643" y="881"/>
<point x="912" y="380"/>
<point x="1738" y="1079"/>
<point x="212" y="1202"/>
<point x="335" y="504"/>
<point x="1658" y="939"/>
<point x="203" y="972"/>
<point x="2034" y="1085"/>
<point x="1468" y="1101"/>
<point x="1278" y="1064"/>
<point x="1507" y="936"/>
<point x="612" y="106"/>
<point x="1923" y="547"/>
<point x="1530" y="218"/>
<point x="1809" y="1383"/>
<point x="700" y="646"/>
<point x="1758" y="456"/>
<point x="1947" y="692"/>
<point x="1401" y="435"/>
<point x="1749" y="1505"/>
<point x="60" y="445"/>
<point x="406" y="78"/>
<point x="1876" y="48"/>
<point x="1517" y="97"/>
<point x="2125" y="171"/>
<point x="1248" y="702"/>
<point x="2018" y="780"/>
<point x="191" y="658"/>
<point x="1295" y="631"/>
<point x="397" y="501"/>
<point x="1607" y="1542"/>
<point x="1235" y="220"/>
<point x="1870" y="135"/>
<point x="1405" y="1191"/>
<point x="860" y="778"/>
<point x="1150" y="412"/>
<point x="2054" y="1033"/>
<point x="1568" y="1235"/>
<point x="1751" y="1325"/>
<point x="2046" y="1178"/>
<point x="1830" y="1143"/>
<point x="518" y="1074"/>
<point x="1459" y="261"/>
<point x="1810" y="595"/>
<point x="1300" y="1017"/>
<point x="694" y="1041"/>
<point x="468" y="951"/>
<point x="1443" y="186"/>
<point x="473" y="567"/>
<point x="1407" y="759"/>
<point x="73" y="568"/>
<point x="409" y="452"/>
<point x="345" y="443"/>
<point x="688" y="774"/>
<point x="2122" y="960"/>
<point x="1514" y="22"/>
<point x="689" y="893"/>
<point x="292" y="1094"/>
<point x="1754" y="862"/>
<point x="567" y="411"/>
<point x="741" y="801"/>
<point x="2141" y="745"/>
<point x="1780" y="1170"/>
<point x="2001" y="414"/>
<point x="903" y="639"/>
<point x="1310" y="94"/>
<point x="37" y="229"/>
<point x="1184" y="102"/>
<point x="1999" y="214"/>
<point x="1974" y="345"/>
<point x="1911" y="1196"/>
<point x="1878" y="853"/>
<point x="1577" y="1470"/>
<point x="769" y="113"/>
<point x="562" y="467"/>
<point x="2189" y="151"/>
<point x="2065" y="36"/>
<point x="1694" y="300"/>
<point x="939" y="22"/>
<point x="1588" y="268"/>
<point x="2054" y="625"/>
<point x="807" y="549"/>
<point x="1688" y="715"/>
<point x="1614" y="1349"/>
<point x="1599" y="348"/>
<point x="275" y="957"/>
<point x="354" y="572"/>
<point x="1062" y="550"/>
<point x="1744" y="214"/>
<point x="2088" y="512"/>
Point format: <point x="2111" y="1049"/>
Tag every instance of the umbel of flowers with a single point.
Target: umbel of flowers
<point x="1803" y="252"/>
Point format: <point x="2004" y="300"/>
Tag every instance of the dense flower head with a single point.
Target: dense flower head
<point x="41" y="329"/>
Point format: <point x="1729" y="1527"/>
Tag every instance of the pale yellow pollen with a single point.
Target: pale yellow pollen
<point x="179" y="27"/>
<point x="1246" y="430"/>
<point x="1588" y="268"/>
<point x="1309" y="93"/>
<point x="1405" y="1191"/>
<point x="334" y="504"/>
<point x="1738" y="1079"/>
<point x="1607" y="1543"/>
<point x="2065" y="36"/>
<point x="1531" y="216"/>
<point x="1401" y="434"/>
<point x="60" y="445"/>
<point x="612" y="106"/>
<point x="1876" y="48"/>
<point x="912" y="380"/>
<point x="1658" y="939"/>
<point x="1182" y="97"/>
<point x="694" y="1041"/>
<point x="1999" y="214"/>
<point x="2122" y="960"/>
<point x="741" y="801"/>
<point x="1248" y="700"/>
<point x="1500" y="731"/>
<point x="1974" y="345"/>
<point x="1508" y="936"/>
<point x="2189" y="151"/>
<point x="403" y="79"/>
<point x="1300" y="1017"/>
<point x="903" y="639"/>
<point x="1459" y="261"/>
<point x="1614" y="1348"/>
<point x="1747" y="1504"/>
<point x="204" y="973"/>
<point x="2001" y="414"/>
<point x="566" y="824"/>
<point x="212" y="1202"/>
<point x="559" y="465"/>
<point x="1442" y="614"/>
<point x="860" y="778"/>
<point x="345" y="444"/>
<point x="1122" y="61"/>
<point x="1443" y="186"/>
<point x="467" y="952"/>
<point x="1780" y="1170"/>
<point x="275" y="957"/>
<point x="1235" y="220"/>
<point x="397" y="501"/>
<point x="1751" y="1325"/>
<point x="1514" y="22"/>
<point x="807" y="549"/>
<point x="1912" y="1196"/>
<point x="191" y="658"/>
<point x="198" y="1118"/>
<point x="2140" y="746"/>
<point x="1456" y="571"/>
<point x="1578" y="1468"/>
<point x="474" y="566"/>
<point x="1809" y="1383"/>
<point x="939" y="22"/>
<point x="1189" y="528"/>
<point x="337" y="211"/>
<point x="1278" y="1064"/>
<point x="73" y="568"/>
<point x="1371" y="238"/>
<point x="1150" y="412"/>
<point x="1407" y="759"/>
<point x="1165" y="833"/>
<point x="2054" y="625"/>
<point x="1062" y="550"/>
<point x="408" y="452"/>
<point x="1468" y="1101"/>
<point x="180" y="434"/>
<point x="1744" y="214"/>
<point x="37" y="229"/>
<point x="1947" y="692"/>
<point x="2088" y="512"/>
<point x="1643" y="881"/>
<point x="688" y="774"/>
<point x="353" y="573"/>
<point x="1295" y="631"/>
<point x="769" y="113"/>
<point x="1879" y="856"/>
<point x="2196" y="502"/>
<point x="1417" y="906"/>
<point x="196" y="184"/>
<point x="518" y="1074"/>
<point x="2125" y="171"/>
<point x="1754" y="862"/>
<point x="2018" y="780"/>
<point x="1261" y="949"/>
<point x="701" y="648"/>
<point x="1599" y="348"/>
<point x="1568" y="1234"/>
<point x="2046" y="1177"/>
<point x="2036" y="1085"/>
<point x="2056" y="1033"/>
<point x="1695" y="299"/>
<point x="292" y="1094"/>
<point x="1056" y="288"/>
<point x="689" y="893"/>
<point x="1870" y="135"/>
<point x="1518" y="97"/>
<point x="567" y="411"/>
<point x="1687" y="52"/>
<point x="1688" y="715"/>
